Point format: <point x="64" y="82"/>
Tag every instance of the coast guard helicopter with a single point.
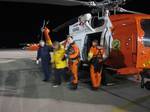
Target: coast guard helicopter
<point x="125" y="37"/>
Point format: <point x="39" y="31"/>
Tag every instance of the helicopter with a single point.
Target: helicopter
<point x="125" y="37"/>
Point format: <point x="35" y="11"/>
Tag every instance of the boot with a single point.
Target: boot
<point x="95" y="88"/>
<point x="74" y="86"/>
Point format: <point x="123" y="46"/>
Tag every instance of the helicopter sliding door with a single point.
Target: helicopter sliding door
<point x="88" y="43"/>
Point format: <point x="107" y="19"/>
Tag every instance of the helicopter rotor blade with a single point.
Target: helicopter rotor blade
<point x="90" y="4"/>
<point x="128" y="11"/>
<point x="52" y="2"/>
<point x="80" y="2"/>
<point x="66" y="24"/>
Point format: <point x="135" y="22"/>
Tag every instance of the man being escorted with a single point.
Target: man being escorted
<point x="59" y="63"/>
<point x="44" y="54"/>
<point x="73" y="55"/>
<point x="95" y="56"/>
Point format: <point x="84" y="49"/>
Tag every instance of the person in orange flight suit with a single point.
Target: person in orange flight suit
<point x="73" y="55"/>
<point x="95" y="56"/>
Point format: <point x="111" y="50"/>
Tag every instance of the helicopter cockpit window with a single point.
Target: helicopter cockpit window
<point x="97" y="22"/>
<point x="145" y="24"/>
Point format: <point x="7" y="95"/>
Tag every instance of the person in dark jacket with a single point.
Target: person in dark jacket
<point x="43" y="54"/>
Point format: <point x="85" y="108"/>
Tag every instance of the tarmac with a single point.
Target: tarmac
<point x="22" y="90"/>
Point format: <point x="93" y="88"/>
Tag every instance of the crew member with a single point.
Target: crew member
<point x="44" y="54"/>
<point x="95" y="56"/>
<point x="73" y="55"/>
<point x="59" y="63"/>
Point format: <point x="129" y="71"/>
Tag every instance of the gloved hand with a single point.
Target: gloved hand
<point x="37" y="62"/>
<point x="47" y="30"/>
<point x="65" y="56"/>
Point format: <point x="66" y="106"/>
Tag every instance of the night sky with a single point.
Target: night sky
<point x="20" y="23"/>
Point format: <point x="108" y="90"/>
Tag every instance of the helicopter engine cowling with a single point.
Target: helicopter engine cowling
<point x="85" y="17"/>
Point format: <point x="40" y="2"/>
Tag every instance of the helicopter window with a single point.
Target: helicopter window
<point x="97" y="22"/>
<point x="145" y="24"/>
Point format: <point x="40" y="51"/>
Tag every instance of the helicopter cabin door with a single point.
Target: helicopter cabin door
<point x="143" y="55"/>
<point x="88" y="43"/>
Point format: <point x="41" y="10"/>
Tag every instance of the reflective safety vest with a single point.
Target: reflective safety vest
<point x="57" y="57"/>
<point x="95" y="52"/>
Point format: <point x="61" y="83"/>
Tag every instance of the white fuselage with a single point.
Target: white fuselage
<point x="81" y="29"/>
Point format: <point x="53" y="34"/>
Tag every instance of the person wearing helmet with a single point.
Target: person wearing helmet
<point x="59" y="63"/>
<point x="95" y="56"/>
<point x="73" y="55"/>
<point x="43" y="54"/>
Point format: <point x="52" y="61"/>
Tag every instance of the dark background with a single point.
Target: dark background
<point x="20" y="23"/>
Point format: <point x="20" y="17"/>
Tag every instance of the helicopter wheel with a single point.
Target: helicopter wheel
<point x="147" y="85"/>
<point x="145" y="74"/>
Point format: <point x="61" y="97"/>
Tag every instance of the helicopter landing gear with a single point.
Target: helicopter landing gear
<point x="142" y="80"/>
<point x="145" y="74"/>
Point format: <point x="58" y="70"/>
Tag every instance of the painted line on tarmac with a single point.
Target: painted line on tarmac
<point x="25" y="69"/>
<point x="131" y="102"/>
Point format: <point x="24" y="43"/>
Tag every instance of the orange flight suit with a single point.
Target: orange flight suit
<point x="96" y="75"/>
<point x="74" y="53"/>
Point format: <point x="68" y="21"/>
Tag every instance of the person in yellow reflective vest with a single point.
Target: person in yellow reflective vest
<point x="59" y="63"/>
